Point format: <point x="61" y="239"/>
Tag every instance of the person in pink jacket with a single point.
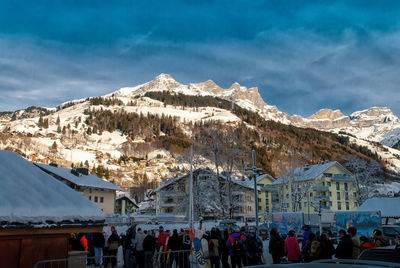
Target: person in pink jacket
<point x="292" y="248"/>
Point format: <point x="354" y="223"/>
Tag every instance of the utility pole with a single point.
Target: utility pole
<point x="191" y="190"/>
<point x="253" y="172"/>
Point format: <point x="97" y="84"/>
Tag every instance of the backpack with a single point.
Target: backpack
<point x="237" y="245"/>
<point x="315" y="248"/>
<point x="252" y="245"/>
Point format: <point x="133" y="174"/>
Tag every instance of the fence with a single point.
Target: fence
<point x="181" y="258"/>
<point x="75" y="262"/>
<point x="170" y="259"/>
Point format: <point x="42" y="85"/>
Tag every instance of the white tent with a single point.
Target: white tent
<point x="389" y="207"/>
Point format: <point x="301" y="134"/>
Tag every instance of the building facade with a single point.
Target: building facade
<point x="97" y="190"/>
<point x="124" y="204"/>
<point x="214" y="196"/>
<point x="315" y="188"/>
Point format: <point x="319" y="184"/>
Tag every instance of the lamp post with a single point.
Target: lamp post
<point x="253" y="172"/>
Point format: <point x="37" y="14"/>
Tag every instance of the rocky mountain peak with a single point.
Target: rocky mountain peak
<point x="326" y="114"/>
<point x="208" y="86"/>
<point x="374" y="115"/>
<point x="235" y="86"/>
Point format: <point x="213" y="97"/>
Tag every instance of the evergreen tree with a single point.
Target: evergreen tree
<point x="46" y="123"/>
<point x="40" y="123"/>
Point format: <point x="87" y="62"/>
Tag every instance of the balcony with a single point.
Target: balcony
<point x="341" y="177"/>
<point x="167" y="205"/>
<point x="325" y="208"/>
<point x="321" y="198"/>
<point x="320" y="188"/>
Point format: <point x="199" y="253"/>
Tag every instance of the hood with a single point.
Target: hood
<point x="235" y="235"/>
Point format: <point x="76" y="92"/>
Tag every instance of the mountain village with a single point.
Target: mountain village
<point x="125" y="158"/>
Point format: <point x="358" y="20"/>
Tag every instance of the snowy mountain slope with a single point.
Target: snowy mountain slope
<point x="76" y="146"/>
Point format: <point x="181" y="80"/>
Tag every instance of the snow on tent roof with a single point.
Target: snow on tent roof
<point x="308" y="172"/>
<point x="28" y="195"/>
<point x="389" y="207"/>
<point x="81" y="180"/>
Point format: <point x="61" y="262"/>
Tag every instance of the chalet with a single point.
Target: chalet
<point x="124" y="204"/>
<point x="38" y="214"/>
<point x="210" y="195"/>
<point x="100" y="191"/>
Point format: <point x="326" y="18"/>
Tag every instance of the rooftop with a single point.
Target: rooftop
<point x="309" y="172"/>
<point x="80" y="180"/>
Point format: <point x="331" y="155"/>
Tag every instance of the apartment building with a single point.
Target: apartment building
<point x="313" y="188"/>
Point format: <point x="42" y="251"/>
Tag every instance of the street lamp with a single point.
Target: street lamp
<point x="253" y="172"/>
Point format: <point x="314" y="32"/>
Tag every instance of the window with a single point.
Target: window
<point x="259" y="200"/>
<point x="259" y="208"/>
<point x="329" y="184"/>
<point x="287" y="195"/>
<point x="305" y="204"/>
<point x="345" y="186"/>
<point x="339" y="205"/>
<point x="346" y="195"/>
<point x="330" y="203"/>
<point x="287" y="187"/>
<point x="337" y="186"/>
<point x="328" y="175"/>
<point x="323" y="183"/>
<point x="330" y="194"/>
<point x="96" y="199"/>
<point x="338" y="195"/>
<point x="311" y="194"/>
<point x="101" y="199"/>
<point x="347" y="206"/>
<point x="266" y="194"/>
<point x="90" y="197"/>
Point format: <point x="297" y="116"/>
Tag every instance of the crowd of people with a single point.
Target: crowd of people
<point x="315" y="247"/>
<point x="236" y="247"/>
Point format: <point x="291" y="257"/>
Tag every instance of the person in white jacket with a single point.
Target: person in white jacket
<point x="140" y="235"/>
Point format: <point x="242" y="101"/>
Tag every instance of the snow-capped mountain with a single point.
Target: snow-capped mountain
<point x="68" y="129"/>
<point x="377" y="124"/>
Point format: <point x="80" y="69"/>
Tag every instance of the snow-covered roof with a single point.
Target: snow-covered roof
<point x="81" y="180"/>
<point x="28" y="195"/>
<point x="308" y="172"/>
<point x="172" y="181"/>
<point x="250" y="182"/>
<point x="127" y="196"/>
<point x="389" y="207"/>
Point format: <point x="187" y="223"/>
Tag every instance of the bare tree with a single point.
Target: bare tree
<point x="366" y="174"/>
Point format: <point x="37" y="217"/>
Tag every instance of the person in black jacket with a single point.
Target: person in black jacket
<point x="327" y="249"/>
<point x="98" y="245"/>
<point x="344" y="249"/>
<point x="149" y="246"/>
<point x="276" y="246"/>
<point x="174" y="244"/>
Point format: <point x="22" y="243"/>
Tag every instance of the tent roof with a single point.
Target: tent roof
<point x="389" y="207"/>
<point x="30" y="196"/>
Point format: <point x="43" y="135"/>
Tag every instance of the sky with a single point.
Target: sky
<point x="302" y="55"/>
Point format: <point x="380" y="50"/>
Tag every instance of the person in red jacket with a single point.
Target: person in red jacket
<point x="291" y="247"/>
<point x="83" y="241"/>
<point x="366" y="244"/>
<point x="162" y="242"/>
